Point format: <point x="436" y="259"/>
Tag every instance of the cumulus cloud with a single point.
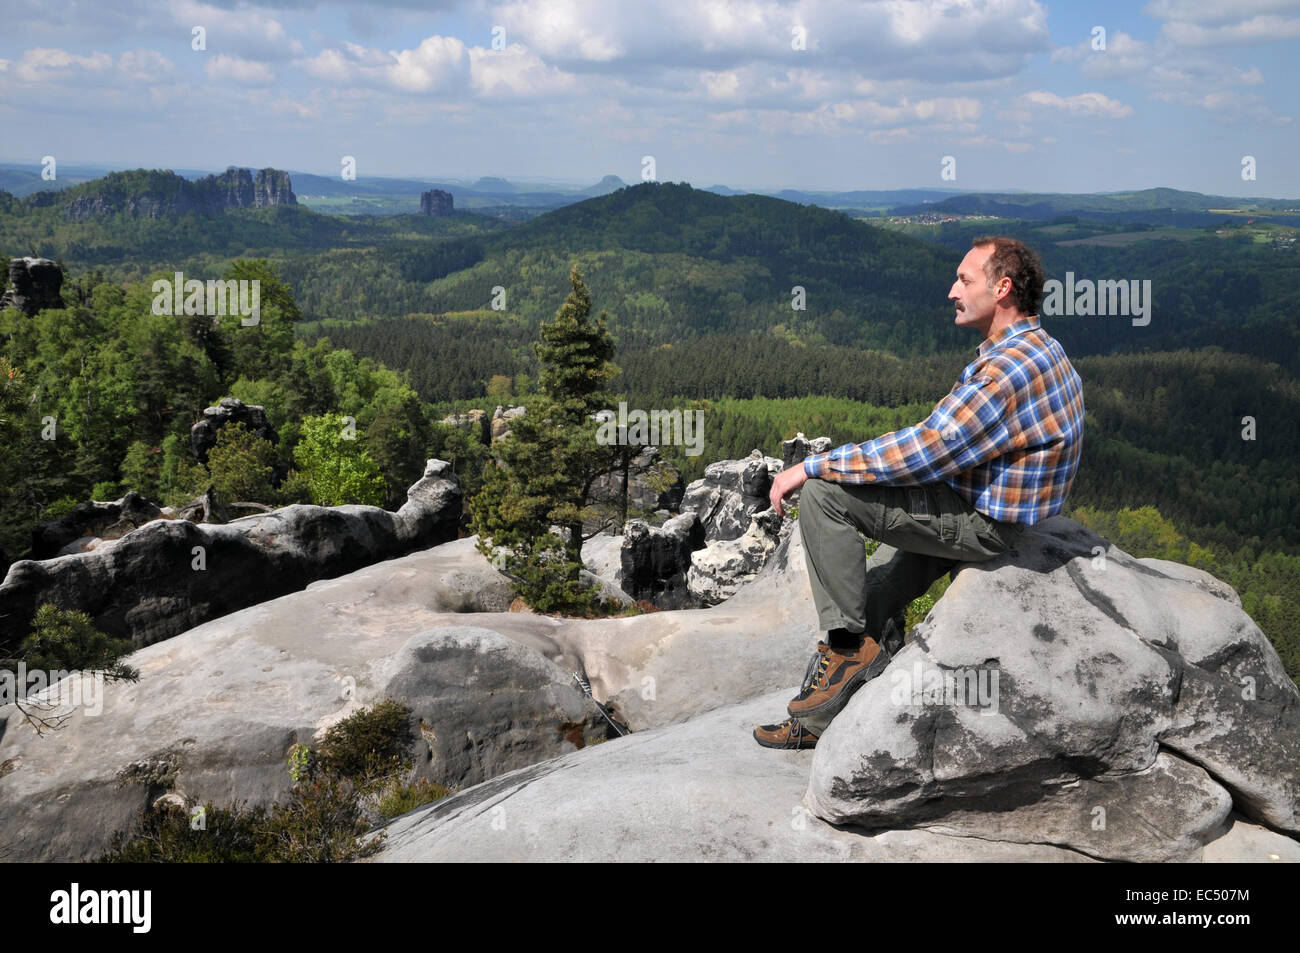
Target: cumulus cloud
<point x="240" y="31"/>
<point x="239" y="70"/>
<point x="44" y="65"/>
<point x="937" y="40"/>
<point x="1089" y="105"/>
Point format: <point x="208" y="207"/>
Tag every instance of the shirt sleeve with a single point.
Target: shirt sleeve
<point x="968" y="427"/>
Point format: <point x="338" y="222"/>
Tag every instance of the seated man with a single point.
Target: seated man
<point x="998" y="453"/>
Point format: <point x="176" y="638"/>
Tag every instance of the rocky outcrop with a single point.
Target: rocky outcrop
<point x="171" y="575"/>
<point x="796" y="449"/>
<point x="501" y="417"/>
<point x="203" y="435"/>
<point x="157" y="194"/>
<point x="652" y="484"/>
<point x="703" y="791"/>
<point x="473" y="422"/>
<point x="730" y="492"/>
<point x="34" y="284"/>
<point x="1097" y="702"/>
<point x="718" y="571"/>
<point x="91" y="520"/>
<point x="435" y="202"/>
<point x="1147" y="667"/>
<point x="656" y="559"/>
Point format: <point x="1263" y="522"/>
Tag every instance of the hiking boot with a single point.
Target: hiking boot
<point x="788" y="734"/>
<point x="836" y="676"/>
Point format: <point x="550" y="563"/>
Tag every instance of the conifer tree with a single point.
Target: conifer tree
<point x="543" y="473"/>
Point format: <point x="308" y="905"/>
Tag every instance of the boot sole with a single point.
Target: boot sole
<point x="856" y="681"/>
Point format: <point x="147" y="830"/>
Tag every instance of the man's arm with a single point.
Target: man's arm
<point x="968" y="427"/>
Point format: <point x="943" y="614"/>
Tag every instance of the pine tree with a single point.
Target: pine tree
<point x="543" y="475"/>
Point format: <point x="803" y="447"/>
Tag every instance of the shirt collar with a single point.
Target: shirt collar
<point x="1018" y="326"/>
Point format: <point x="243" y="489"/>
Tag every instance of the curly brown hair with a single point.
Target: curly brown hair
<point x="1015" y="260"/>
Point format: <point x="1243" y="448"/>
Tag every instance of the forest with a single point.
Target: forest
<point x="389" y="321"/>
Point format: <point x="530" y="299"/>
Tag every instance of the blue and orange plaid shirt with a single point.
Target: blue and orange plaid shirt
<point x="1006" y="438"/>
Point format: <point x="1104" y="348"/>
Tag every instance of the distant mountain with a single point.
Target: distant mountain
<point x="610" y="183"/>
<point x="489" y="183"/>
<point x="1153" y="206"/>
<point x="156" y="193"/>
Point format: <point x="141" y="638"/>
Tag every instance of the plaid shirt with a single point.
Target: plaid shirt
<point x="1007" y="437"/>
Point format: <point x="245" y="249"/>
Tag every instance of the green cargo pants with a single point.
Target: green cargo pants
<point x="924" y="531"/>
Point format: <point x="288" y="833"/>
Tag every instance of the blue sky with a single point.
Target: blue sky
<point x="714" y="90"/>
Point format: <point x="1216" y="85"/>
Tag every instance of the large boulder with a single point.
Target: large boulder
<point x="730" y="492"/>
<point x="703" y="791"/>
<point x="656" y="560"/>
<point x="499" y="428"/>
<point x="1068" y="693"/>
<point x="171" y="575"/>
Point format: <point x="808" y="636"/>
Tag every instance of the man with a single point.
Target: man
<point x="998" y="453"/>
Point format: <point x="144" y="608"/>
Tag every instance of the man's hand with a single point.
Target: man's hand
<point x="786" y="482"/>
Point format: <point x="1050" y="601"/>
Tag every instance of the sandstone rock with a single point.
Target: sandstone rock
<point x="164" y="194"/>
<point x="473" y="422"/>
<point x="92" y="519"/>
<point x="653" y="484"/>
<point x="698" y="791"/>
<point x="34" y="285"/>
<point x="203" y="435"/>
<point x="656" y="559"/>
<point x="1124" y="687"/>
<point x="501" y="417"/>
<point x="717" y="571"/>
<point x="795" y="450"/>
<point x="730" y="492"/>
<point x="149" y="586"/>
<point x="435" y="202"/>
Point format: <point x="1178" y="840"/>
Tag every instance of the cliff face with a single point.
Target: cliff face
<point x="164" y="194"/>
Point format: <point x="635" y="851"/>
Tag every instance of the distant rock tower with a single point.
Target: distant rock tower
<point x="435" y="202"/>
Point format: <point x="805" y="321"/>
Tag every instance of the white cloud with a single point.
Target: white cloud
<point x="516" y="72"/>
<point x="1090" y="105"/>
<point x="144" y="65"/>
<point x="241" y="31"/>
<point x="43" y="65"/>
<point x="239" y="70"/>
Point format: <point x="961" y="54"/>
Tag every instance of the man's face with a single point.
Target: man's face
<point x="970" y="293"/>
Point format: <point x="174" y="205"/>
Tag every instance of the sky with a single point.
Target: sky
<point x="754" y="94"/>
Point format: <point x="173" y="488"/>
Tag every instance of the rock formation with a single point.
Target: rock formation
<point x="655" y="560"/>
<point x="159" y="194"/>
<point x="171" y="575"/>
<point x="1135" y="686"/>
<point x="435" y="202"/>
<point x="730" y="492"/>
<point x="203" y="435"/>
<point x="718" y="571"/>
<point x="34" y="284"/>
<point x="92" y="519"/>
